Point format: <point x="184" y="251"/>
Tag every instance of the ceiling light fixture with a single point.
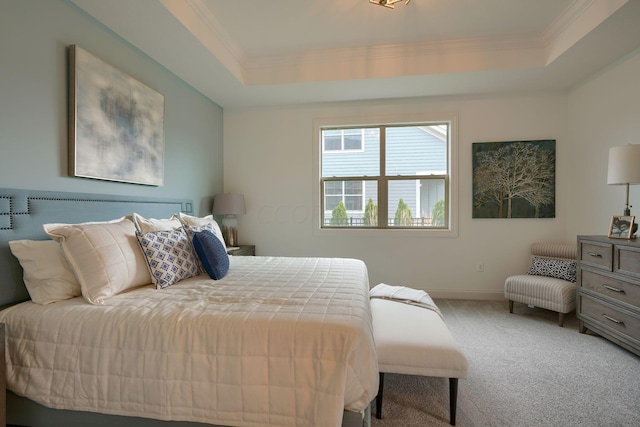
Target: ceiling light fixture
<point x="388" y="3"/>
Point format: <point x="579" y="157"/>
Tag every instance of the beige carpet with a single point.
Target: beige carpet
<point x="524" y="370"/>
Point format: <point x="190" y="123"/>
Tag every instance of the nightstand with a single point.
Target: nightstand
<point x="243" y="250"/>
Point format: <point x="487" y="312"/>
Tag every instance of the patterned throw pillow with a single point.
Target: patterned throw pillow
<point x="553" y="267"/>
<point x="212" y="254"/>
<point x="194" y="221"/>
<point x="191" y="231"/>
<point x="169" y="255"/>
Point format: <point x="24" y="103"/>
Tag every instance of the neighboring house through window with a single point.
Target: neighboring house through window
<point x="386" y="176"/>
<point x="335" y="140"/>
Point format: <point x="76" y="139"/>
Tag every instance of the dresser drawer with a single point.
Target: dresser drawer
<point x="597" y="254"/>
<point x="620" y="321"/>
<point x="613" y="288"/>
<point x="627" y="261"/>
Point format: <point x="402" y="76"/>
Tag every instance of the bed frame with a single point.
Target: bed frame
<point x="22" y="214"/>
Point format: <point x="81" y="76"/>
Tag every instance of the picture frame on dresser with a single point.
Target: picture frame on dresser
<point x="621" y="227"/>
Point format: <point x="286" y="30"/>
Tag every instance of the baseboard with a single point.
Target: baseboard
<point x="484" y="295"/>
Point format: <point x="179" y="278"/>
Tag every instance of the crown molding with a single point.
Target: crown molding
<point x="217" y="30"/>
<point x="460" y="55"/>
<point x="580" y="18"/>
<point x="395" y="51"/>
<point x="198" y="19"/>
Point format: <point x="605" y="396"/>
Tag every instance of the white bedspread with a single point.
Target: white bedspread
<point x="277" y="342"/>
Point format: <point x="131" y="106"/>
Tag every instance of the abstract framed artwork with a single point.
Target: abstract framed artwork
<point x="514" y="179"/>
<point x="116" y="123"/>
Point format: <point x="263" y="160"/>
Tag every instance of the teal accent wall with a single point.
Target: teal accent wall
<point x="34" y="40"/>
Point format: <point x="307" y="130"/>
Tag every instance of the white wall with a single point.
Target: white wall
<point x="603" y="112"/>
<point x="268" y="157"/>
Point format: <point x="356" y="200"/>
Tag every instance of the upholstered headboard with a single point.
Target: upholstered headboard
<point x="22" y="213"/>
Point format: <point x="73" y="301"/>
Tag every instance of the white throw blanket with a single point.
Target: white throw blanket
<point x="405" y="295"/>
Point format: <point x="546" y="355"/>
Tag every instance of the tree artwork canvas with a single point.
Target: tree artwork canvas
<point x="514" y="179"/>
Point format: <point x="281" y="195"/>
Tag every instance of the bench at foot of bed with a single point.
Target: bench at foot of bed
<point x="415" y="341"/>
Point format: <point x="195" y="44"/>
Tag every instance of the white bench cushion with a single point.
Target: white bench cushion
<point x="415" y="341"/>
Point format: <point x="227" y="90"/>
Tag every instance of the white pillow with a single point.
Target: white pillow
<point x="145" y="225"/>
<point x="46" y="273"/>
<point x="194" y="221"/>
<point x="105" y="256"/>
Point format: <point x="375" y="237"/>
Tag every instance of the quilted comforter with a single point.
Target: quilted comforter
<point x="277" y="342"/>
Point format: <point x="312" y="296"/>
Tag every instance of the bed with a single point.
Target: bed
<point x="277" y="341"/>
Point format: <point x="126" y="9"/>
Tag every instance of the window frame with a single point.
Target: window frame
<point x="412" y="119"/>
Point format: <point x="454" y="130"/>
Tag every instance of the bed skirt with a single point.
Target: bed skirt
<point x="24" y="412"/>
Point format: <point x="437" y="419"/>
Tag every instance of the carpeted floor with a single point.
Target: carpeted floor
<point x="524" y="370"/>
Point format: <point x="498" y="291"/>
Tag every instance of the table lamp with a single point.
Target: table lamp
<point x="624" y="168"/>
<point x="229" y="205"/>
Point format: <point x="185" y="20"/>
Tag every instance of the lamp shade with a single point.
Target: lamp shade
<point x="624" y="165"/>
<point x="228" y="204"/>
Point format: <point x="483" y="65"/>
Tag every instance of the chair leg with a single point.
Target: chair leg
<point x="453" y="400"/>
<point x="510" y="306"/>
<point x="379" y="397"/>
<point x="561" y="319"/>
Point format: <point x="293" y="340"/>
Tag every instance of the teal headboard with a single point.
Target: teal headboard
<point x="22" y="213"/>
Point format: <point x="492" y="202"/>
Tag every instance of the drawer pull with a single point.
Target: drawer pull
<point x="611" y="288"/>
<point x="595" y="254"/>
<point x="613" y="320"/>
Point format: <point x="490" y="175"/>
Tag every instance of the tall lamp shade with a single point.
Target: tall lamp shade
<point x="229" y="205"/>
<point x="624" y="168"/>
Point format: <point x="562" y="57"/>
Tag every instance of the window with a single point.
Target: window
<point x="390" y="176"/>
<point x="337" y="140"/>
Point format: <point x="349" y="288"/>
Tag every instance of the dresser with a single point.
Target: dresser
<point x="608" y="292"/>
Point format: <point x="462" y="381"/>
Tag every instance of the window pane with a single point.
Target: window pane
<point x="353" y="187"/>
<point x="431" y="202"/>
<point x="417" y="203"/>
<point x="353" y="203"/>
<point x="331" y="202"/>
<point x="370" y="215"/>
<point x="412" y="150"/>
<point x="332" y="143"/>
<point x="353" y="141"/>
<point x="333" y="187"/>
<point x="353" y="194"/>
<point x="362" y="159"/>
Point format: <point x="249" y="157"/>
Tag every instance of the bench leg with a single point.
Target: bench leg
<point x="453" y="400"/>
<point x="379" y="397"/>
